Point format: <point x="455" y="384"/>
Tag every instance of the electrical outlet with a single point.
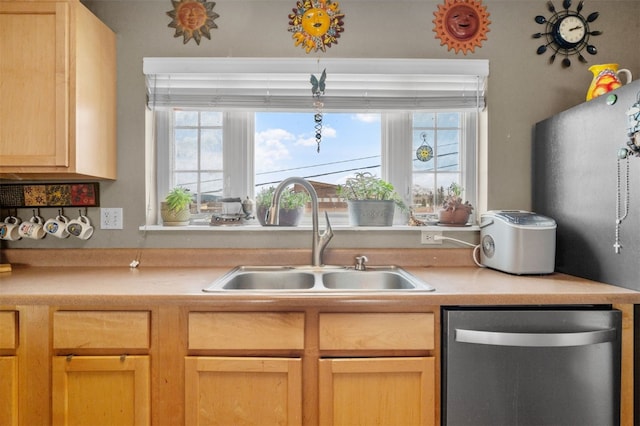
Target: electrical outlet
<point x="111" y="218"/>
<point x="429" y="237"/>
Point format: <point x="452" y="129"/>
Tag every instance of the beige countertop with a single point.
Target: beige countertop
<point x="464" y="285"/>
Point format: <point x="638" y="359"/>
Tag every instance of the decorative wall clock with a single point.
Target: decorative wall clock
<point x="462" y="25"/>
<point x="567" y="32"/>
<point x="316" y="24"/>
<point x="192" y="19"/>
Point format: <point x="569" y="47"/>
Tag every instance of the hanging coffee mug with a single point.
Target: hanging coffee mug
<point x="33" y="229"/>
<point x="57" y="226"/>
<point x="9" y="229"/>
<point x="80" y="227"/>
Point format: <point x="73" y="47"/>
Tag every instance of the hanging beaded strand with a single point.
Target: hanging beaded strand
<point x="317" y="105"/>
<point x="623" y="154"/>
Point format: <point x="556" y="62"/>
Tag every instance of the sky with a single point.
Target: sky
<point x="286" y="143"/>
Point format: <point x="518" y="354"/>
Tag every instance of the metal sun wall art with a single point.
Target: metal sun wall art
<point x="192" y="19"/>
<point x="316" y="24"/>
<point x="461" y="25"/>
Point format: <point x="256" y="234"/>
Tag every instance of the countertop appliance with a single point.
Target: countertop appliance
<point x="538" y="367"/>
<point x="518" y="242"/>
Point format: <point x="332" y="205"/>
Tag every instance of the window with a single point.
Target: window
<point x="284" y="145"/>
<point x="214" y="126"/>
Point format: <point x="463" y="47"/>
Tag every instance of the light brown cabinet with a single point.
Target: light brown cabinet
<point x="368" y="386"/>
<point x="58" y="91"/>
<point x="97" y="387"/>
<point x="8" y="368"/>
<point x="244" y="390"/>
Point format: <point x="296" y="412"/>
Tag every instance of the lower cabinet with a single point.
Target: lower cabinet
<point x="101" y="390"/>
<point x="102" y="385"/>
<point x="364" y="378"/>
<point x="8" y="368"/>
<point x="265" y="389"/>
<point x="8" y="390"/>
<point x="377" y="391"/>
<point x="243" y="391"/>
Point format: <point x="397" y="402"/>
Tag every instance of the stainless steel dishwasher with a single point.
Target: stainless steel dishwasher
<point x="533" y="366"/>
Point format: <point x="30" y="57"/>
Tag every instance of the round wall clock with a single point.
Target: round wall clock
<point x="316" y="24"/>
<point x="567" y="32"/>
<point x="462" y="25"/>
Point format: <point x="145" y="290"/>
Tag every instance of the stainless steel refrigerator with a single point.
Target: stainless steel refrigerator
<point x="576" y="175"/>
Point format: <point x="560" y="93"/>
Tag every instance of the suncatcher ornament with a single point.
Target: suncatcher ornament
<point x="192" y="19"/>
<point x="317" y="90"/>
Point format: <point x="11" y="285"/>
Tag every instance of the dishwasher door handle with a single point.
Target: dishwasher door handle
<point x="557" y="340"/>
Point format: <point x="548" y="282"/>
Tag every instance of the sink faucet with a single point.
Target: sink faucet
<point x="360" y="263"/>
<point x="320" y="240"/>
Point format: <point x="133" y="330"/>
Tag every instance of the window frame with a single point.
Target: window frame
<point x="396" y="153"/>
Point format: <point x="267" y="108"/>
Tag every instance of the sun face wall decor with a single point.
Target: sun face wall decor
<point x="192" y="19"/>
<point x="461" y="25"/>
<point x="316" y="24"/>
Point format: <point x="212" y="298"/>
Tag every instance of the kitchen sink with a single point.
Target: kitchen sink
<point x="317" y="278"/>
<point x="368" y="280"/>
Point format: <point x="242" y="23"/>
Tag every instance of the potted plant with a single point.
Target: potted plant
<point x="453" y="210"/>
<point x="175" y="209"/>
<point x="292" y="205"/>
<point x="371" y="200"/>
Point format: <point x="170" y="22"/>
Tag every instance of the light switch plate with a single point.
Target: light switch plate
<point x="111" y="218"/>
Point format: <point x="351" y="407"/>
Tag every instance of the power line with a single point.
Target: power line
<point x="320" y="165"/>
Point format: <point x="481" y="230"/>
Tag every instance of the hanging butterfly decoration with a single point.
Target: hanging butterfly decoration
<point x="317" y="90"/>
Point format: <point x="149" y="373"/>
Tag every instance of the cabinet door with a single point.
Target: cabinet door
<point x="34" y="70"/>
<point x="101" y="390"/>
<point x="243" y="391"/>
<point x="8" y="390"/>
<point x="377" y="391"/>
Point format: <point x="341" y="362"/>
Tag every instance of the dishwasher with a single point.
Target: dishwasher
<point x="538" y="366"/>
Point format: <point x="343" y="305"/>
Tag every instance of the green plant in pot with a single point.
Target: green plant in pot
<point x="175" y="209"/>
<point x="292" y="205"/>
<point x="371" y="200"/>
<point x="454" y="211"/>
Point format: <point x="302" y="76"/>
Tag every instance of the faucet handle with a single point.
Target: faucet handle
<point x="360" y="263"/>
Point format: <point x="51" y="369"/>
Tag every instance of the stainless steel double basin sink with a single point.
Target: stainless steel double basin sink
<point x="317" y="279"/>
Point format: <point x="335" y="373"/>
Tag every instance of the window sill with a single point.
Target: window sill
<point x="304" y="228"/>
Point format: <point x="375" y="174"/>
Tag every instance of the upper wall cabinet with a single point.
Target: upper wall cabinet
<point x="57" y="92"/>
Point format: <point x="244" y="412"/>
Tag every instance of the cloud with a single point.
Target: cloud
<point x="270" y="148"/>
<point x="366" y="118"/>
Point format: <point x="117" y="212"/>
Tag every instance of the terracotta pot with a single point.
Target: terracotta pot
<point x="453" y="217"/>
<point x="286" y="217"/>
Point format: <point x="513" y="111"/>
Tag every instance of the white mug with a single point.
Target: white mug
<point x="80" y="227"/>
<point x="9" y="229"/>
<point x="33" y="229"/>
<point x="57" y="226"/>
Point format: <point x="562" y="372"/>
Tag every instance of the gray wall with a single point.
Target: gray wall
<point x="523" y="87"/>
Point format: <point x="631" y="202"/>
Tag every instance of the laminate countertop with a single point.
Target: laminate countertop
<point x="454" y="285"/>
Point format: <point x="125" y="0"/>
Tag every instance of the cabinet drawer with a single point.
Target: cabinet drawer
<point x="377" y="331"/>
<point x="8" y="330"/>
<point x="246" y="330"/>
<point x="101" y="329"/>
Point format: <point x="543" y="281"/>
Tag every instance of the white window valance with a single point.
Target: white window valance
<point x="283" y="83"/>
